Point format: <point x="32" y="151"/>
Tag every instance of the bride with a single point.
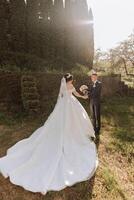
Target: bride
<point x="58" y="154"/>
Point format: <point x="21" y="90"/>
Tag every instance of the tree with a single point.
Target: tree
<point x="70" y="35"/>
<point x="123" y="54"/>
<point x="32" y="24"/>
<point x="47" y="9"/>
<point x="17" y="25"/>
<point x="3" y="25"/>
<point x="91" y="38"/>
<point x="79" y="32"/>
<point x="58" y="29"/>
<point x="48" y="29"/>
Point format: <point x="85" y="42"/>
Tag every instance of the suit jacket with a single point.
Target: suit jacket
<point x="94" y="93"/>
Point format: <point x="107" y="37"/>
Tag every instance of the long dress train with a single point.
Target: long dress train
<point x="56" y="155"/>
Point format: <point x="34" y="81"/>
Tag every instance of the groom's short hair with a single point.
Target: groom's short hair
<point x="94" y="73"/>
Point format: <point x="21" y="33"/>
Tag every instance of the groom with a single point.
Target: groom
<point x="94" y="95"/>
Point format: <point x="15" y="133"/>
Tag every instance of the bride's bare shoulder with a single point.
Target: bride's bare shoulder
<point x="70" y="86"/>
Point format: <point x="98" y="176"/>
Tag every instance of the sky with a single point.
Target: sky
<point x="113" y="21"/>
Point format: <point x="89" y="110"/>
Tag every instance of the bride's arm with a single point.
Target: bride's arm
<point x="78" y="95"/>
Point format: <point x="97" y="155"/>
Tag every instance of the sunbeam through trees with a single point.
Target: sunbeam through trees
<point x="53" y="30"/>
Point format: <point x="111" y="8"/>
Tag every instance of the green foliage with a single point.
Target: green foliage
<point x="110" y="182"/>
<point x="80" y="69"/>
<point x="20" y="61"/>
<point x="4" y="119"/>
<point x="118" y="60"/>
<point x="11" y="119"/>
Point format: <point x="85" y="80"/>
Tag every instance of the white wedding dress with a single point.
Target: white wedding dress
<point x="56" y="155"/>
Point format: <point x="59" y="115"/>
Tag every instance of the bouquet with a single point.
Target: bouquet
<point x="84" y="90"/>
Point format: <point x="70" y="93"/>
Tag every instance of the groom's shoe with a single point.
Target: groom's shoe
<point x="97" y="131"/>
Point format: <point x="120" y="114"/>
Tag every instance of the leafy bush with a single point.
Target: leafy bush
<point x="22" y="62"/>
<point x="14" y="61"/>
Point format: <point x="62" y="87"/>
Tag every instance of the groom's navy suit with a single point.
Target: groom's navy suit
<point x="94" y="93"/>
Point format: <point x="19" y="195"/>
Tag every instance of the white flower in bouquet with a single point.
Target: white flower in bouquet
<point x="84" y="89"/>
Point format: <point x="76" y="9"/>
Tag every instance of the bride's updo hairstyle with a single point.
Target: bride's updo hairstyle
<point x="68" y="77"/>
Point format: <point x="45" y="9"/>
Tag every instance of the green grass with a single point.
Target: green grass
<point x="109" y="180"/>
<point x="110" y="183"/>
<point x="114" y="177"/>
<point x="120" y="114"/>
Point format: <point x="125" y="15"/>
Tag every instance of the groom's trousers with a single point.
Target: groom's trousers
<point x="95" y="115"/>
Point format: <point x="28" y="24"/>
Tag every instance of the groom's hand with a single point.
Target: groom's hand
<point x="85" y="97"/>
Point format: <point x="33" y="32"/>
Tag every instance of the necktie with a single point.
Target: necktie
<point x="94" y="85"/>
